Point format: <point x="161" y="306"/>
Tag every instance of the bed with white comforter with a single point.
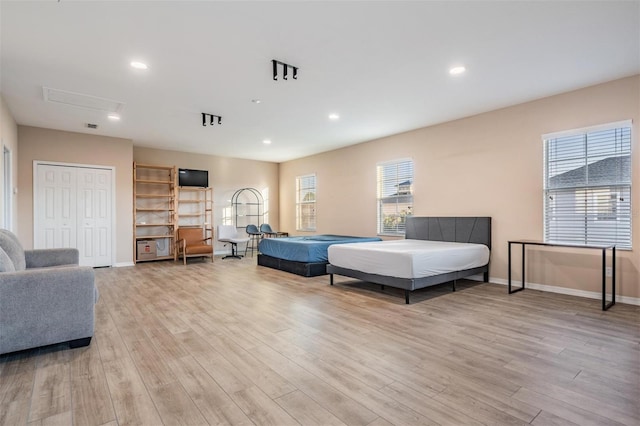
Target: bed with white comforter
<point x="436" y="250"/>
<point x="409" y="258"/>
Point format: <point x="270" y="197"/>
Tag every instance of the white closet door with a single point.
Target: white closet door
<point x="56" y="208"/>
<point x="94" y="216"/>
<point x="74" y="209"/>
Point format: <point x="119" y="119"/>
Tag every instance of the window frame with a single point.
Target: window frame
<point x="300" y="204"/>
<point x="382" y="182"/>
<point x="595" y="202"/>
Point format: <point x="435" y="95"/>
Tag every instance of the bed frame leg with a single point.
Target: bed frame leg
<point x="382" y="287"/>
<point x="454" y="285"/>
<point x="330" y="279"/>
<point x="406" y="297"/>
<point x="486" y="277"/>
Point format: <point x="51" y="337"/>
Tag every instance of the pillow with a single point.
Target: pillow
<point x="6" y="265"/>
<point x="12" y="247"/>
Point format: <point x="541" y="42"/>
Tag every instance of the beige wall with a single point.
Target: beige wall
<point x="226" y="175"/>
<point x="9" y="139"/>
<point x="67" y="147"/>
<point x="486" y="165"/>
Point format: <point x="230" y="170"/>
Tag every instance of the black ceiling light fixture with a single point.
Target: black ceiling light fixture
<point x="212" y="119"/>
<point x="285" y="70"/>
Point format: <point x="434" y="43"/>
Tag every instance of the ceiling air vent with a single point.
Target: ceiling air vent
<point x="92" y="125"/>
<point x="80" y="100"/>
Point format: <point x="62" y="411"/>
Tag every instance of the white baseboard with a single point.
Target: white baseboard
<point x="122" y="264"/>
<point x="561" y="290"/>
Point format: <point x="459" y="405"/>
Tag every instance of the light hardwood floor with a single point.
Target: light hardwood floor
<point x="234" y="343"/>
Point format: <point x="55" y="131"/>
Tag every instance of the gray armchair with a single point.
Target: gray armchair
<point x="45" y="297"/>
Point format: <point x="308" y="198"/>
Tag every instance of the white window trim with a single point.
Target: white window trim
<point x="314" y="202"/>
<point x="382" y="164"/>
<point x="578" y="131"/>
<point x="588" y="129"/>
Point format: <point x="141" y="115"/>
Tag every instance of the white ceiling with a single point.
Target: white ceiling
<point x="382" y="65"/>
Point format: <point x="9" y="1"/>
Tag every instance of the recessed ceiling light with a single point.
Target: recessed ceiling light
<point x="334" y="117"/>
<point x="266" y="141"/>
<point x="139" y="65"/>
<point x="113" y="117"/>
<point x="457" y="70"/>
<point x="256" y="101"/>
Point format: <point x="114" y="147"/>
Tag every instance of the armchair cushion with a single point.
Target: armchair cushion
<point x="6" y="265"/>
<point x="12" y="247"/>
<point x="199" y="249"/>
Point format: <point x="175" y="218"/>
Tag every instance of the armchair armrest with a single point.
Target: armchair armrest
<point x="42" y="258"/>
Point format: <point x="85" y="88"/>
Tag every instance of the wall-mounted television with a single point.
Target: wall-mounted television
<point x="189" y="177"/>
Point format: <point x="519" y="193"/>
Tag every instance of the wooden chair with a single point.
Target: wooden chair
<point x="192" y="242"/>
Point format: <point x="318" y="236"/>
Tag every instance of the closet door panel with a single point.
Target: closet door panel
<point x="55" y="211"/>
<point x="94" y="214"/>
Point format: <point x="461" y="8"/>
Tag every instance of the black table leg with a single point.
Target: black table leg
<point x="606" y="305"/>
<point x="509" y="269"/>
<point x="511" y="290"/>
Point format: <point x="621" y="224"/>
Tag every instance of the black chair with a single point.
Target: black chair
<point x="265" y="228"/>
<point x="254" y="237"/>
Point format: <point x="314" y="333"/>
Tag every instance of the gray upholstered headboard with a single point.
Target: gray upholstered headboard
<point x="455" y="229"/>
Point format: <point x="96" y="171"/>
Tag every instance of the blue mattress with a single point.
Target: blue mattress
<point x="306" y="249"/>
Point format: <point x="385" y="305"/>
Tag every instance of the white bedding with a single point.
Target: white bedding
<point x="408" y="258"/>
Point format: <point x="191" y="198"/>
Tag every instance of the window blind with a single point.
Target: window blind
<point x="394" y="195"/>
<point x="587" y="187"/>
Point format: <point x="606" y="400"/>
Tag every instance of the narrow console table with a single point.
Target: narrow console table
<point x="602" y="248"/>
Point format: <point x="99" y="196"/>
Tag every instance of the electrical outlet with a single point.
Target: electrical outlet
<point x="609" y="271"/>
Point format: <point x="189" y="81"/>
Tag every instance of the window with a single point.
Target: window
<point x="395" y="196"/>
<point x="306" y="203"/>
<point x="587" y="186"/>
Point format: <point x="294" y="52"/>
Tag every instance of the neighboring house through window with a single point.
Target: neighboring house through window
<point x="306" y="203"/>
<point x="587" y="186"/>
<point x="395" y="195"/>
